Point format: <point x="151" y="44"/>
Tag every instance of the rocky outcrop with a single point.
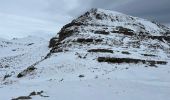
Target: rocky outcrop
<point x="103" y="22"/>
<point x="107" y="31"/>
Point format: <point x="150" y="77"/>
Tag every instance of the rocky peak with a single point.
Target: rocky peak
<point x="112" y="29"/>
<point x="100" y="15"/>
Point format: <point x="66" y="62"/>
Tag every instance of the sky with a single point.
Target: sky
<point x="20" y="18"/>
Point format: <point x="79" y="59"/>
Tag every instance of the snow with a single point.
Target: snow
<point x="59" y="75"/>
<point x="108" y="12"/>
<point x="113" y="19"/>
<point x="120" y="84"/>
<point x="101" y="81"/>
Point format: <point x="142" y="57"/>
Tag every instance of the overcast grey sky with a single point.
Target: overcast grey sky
<point x="19" y="18"/>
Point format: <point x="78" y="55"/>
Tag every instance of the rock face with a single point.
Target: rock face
<point x="103" y="28"/>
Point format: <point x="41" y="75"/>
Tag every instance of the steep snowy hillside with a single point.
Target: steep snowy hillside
<point x="101" y="55"/>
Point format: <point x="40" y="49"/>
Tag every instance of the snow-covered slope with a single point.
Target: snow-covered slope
<point x="102" y="55"/>
<point x="18" y="54"/>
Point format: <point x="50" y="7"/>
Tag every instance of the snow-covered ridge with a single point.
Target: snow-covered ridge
<point x="113" y="19"/>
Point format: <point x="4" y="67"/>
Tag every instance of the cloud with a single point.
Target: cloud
<point x="85" y="5"/>
<point x="18" y="26"/>
<point x="29" y="17"/>
<point x="151" y="9"/>
<point x="40" y="15"/>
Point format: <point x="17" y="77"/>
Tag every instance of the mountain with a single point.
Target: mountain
<point x="121" y="37"/>
<point x="101" y="55"/>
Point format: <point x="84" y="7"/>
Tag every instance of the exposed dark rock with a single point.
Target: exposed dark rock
<point x="61" y="80"/>
<point x="30" y="44"/>
<point x="98" y="16"/>
<point x="98" y="40"/>
<point x="161" y="38"/>
<point x="73" y="23"/>
<point x="26" y="71"/>
<point x="53" y="42"/>
<point x="22" y="98"/>
<point x="56" y="50"/>
<point x="64" y="33"/>
<point x="101" y="32"/>
<point x="152" y="64"/>
<point x="81" y="56"/>
<point x="123" y="30"/>
<point x="7" y="76"/>
<point x="81" y="76"/>
<point x="129" y="60"/>
<point x="125" y="52"/>
<point x="83" y="40"/>
<point x="33" y="93"/>
<point x="14" y="50"/>
<point x="20" y="75"/>
<point x="36" y="93"/>
<point x="101" y="50"/>
<point x="148" y="55"/>
<point x="30" y="96"/>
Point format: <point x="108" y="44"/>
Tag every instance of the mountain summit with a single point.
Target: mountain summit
<point x="113" y="22"/>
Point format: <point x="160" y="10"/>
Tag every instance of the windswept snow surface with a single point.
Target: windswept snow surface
<point x="75" y="74"/>
<point x="59" y="78"/>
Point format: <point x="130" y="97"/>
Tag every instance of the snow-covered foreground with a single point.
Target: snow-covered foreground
<point x="125" y="84"/>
